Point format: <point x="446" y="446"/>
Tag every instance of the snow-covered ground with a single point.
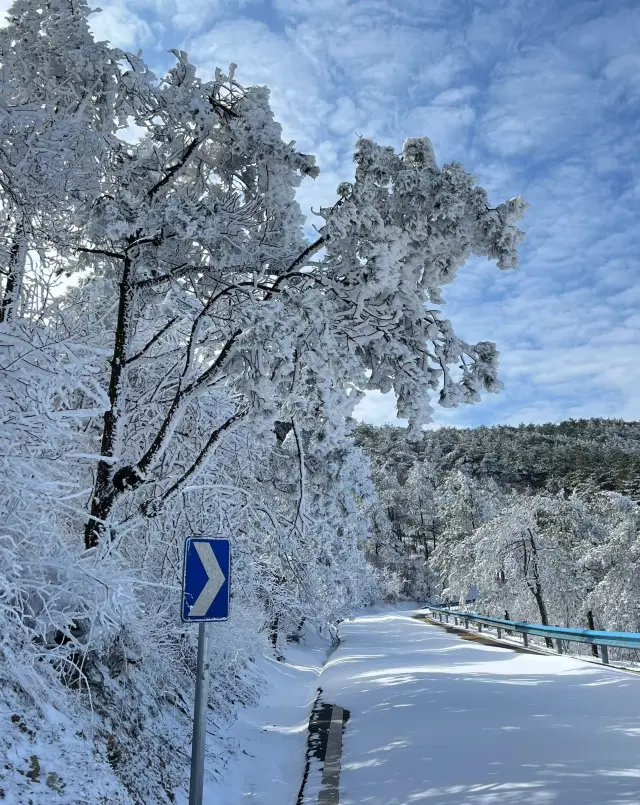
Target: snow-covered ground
<point x="46" y="754"/>
<point x="439" y="720"/>
<point x="433" y="719"/>
<point x="272" y="736"/>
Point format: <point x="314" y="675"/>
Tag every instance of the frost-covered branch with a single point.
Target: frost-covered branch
<point x="145" y="349"/>
<point x="204" y="453"/>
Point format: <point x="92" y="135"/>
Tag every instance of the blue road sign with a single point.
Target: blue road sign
<point x="205" y="587"/>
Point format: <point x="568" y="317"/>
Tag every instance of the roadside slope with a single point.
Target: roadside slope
<point x="268" y="763"/>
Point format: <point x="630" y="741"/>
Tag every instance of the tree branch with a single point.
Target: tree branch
<point x="311" y="249"/>
<point x="103" y="252"/>
<point x="202" y="455"/>
<point x="181" y="394"/>
<point x="150" y="343"/>
<point x="170" y="172"/>
<point x="204" y="377"/>
<point x="166" y="277"/>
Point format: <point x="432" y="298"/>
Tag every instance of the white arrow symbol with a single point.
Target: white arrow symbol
<point x="214" y="583"/>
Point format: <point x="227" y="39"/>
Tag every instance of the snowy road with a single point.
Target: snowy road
<point x="439" y="720"/>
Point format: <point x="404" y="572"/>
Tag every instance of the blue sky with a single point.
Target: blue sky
<point x="538" y="97"/>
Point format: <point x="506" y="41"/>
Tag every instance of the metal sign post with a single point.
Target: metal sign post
<point x="205" y="598"/>
<point x="196" y="783"/>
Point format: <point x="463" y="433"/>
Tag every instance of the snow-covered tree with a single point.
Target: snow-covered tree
<point x="613" y="562"/>
<point x="527" y="560"/>
<point x="201" y="239"/>
<point x="62" y="98"/>
<point x="488" y="480"/>
<point x="464" y="505"/>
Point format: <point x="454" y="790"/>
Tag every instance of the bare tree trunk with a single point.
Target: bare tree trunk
<point x="273" y="632"/>
<point x="507" y="618"/>
<point x="535" y="586"/>
<point x="274" y="628"/>
<point x="592" y="626"/>
<point x="104" y="493"/>
<point x="15" y="272"/>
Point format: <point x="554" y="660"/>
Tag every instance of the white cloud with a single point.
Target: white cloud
<point x="121" y="26"/>
<point x="448" y="127"/>
<point x="378" y="409"/>
<point x="455" y="96"/>
<point x="196" y="15"/>
<point x="267" y="57"/>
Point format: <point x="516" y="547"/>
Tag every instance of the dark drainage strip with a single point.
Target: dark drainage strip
<point x="324" y="749"/>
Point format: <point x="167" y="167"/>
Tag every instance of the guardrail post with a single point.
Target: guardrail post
<point x="499" y="633"/>
<point x="466" y="623"/>
<point x="455" y="620"/>
<point x="559" y="645"/>
<point x="446" y="617"/>
<point x="479" y="627"/>
<point x="525" y="639"/>
<point x="604" y="650"/>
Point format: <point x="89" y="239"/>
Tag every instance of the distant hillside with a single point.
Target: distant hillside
<point x="579" y="454"/>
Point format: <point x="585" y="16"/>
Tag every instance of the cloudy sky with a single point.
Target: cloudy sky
<point x="537" y="97"/>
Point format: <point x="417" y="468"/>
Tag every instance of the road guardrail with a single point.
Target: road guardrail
<point x="558" y="634"/>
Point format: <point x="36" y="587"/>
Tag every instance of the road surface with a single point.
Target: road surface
<point x="439" y="720"/>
